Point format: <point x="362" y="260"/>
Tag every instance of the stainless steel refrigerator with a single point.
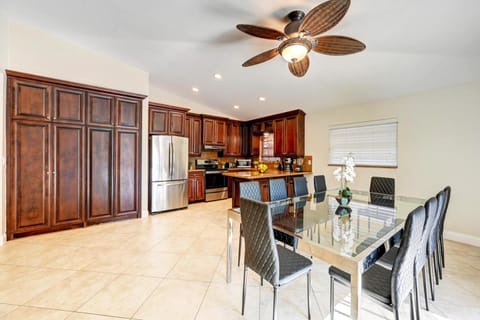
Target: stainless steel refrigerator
<point x="169" y="173"/>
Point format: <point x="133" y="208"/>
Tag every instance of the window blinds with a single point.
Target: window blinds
<point x="370" y="143"/>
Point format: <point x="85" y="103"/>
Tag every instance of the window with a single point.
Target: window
<point x="370" y="143"/>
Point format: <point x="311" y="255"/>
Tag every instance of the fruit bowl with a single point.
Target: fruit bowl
<point x="262" y="168"/>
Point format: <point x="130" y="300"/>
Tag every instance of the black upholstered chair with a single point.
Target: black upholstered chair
<point x="300" y="187"/>
<point x="319" y="183"/>
<point x="382" y="191"/>
<point x="441" y="246"/>
<point x="433" y="242"/>
<point x="273" y="263"/>
<point x="250" y="190"/>
<point x="390" y="287"/>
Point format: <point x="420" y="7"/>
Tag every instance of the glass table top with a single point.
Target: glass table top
<point x="349" y="230"/>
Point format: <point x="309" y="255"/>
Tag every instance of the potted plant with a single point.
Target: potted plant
<point x="344" y="175"/>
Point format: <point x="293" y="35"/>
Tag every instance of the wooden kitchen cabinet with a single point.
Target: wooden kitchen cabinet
<point x="246" y="139"/>
<point x="234" y="139"/>
<point x="194" y="134"/>
<point x="289" y="135"/>
<point x="214" y="131"/>
<point x="74" y="156"/>
<point x="167" y="120"/>
<point x="196" y="186"/>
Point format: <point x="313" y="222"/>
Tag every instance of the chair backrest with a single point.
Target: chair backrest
<point x="278" y="189"/>
<point x="404" y="265"/>
<point x="430" y="213"/>
<point x="250" y="190"/>
<point x="433" y="237"/>
<point x="300" y="187"/>
<point x="382" y="185"/>
<point x="261" y="253"/>
<point x="319" y="183"/>
<point x="447" y="191"/>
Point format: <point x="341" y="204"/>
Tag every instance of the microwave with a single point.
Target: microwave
<point x="243" y="163"/>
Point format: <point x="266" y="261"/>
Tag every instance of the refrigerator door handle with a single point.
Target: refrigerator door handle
<point x="160" y="185"/>
<point x="171" y="159"/>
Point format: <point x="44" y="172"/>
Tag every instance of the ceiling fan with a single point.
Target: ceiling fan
<point x="301" y="35"/>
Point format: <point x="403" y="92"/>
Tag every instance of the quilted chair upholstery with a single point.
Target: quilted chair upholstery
<point x="391" y="287"/>
<point x="319" y="183"/>
<point x="250" y="190"/>
<point x="300" y="187"/>
<point x="275" y="264"/>
<point x="380" y="189"/>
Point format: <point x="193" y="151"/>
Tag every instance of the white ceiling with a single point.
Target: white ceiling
<point x="412" y="46"/>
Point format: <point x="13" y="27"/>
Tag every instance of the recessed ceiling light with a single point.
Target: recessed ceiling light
<point x="218" y="76"/>
<point x="236" y="107"/>
<point x="195" y="89"/>
<point x="262" y="98"/>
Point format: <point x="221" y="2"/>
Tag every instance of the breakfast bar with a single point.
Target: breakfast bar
<point x="263" y="179"/>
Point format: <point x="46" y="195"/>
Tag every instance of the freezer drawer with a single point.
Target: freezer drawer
<point x="169" y="195"/>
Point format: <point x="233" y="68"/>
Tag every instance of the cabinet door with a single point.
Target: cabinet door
<point x="200" y="187"/>
<point x="246" y="140"/>
<point x="127" y="165"/>
<point x="128" y="113"/>
<point x="255" y="147"/>
<point x="221" y="130"/>
<point x="68" y="105"/>
<point x="290" y="136"/>
<point x="158" y="119"/>
<point x="192" y="184"/>
<point x="196" y="133"/>
<point x="279" y="137"/>
<point x="209" y="131"/>
<point x="100" y="173"/>
<point x="177" y="123"/>
<point x="100" y="110"/>
<point x="31" y="100"/>
<point x="233" y="147"/>
<point x="68" y="174"/>
<point x="30" y="194"/>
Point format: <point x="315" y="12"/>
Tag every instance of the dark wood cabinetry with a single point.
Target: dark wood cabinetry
<point x="234" y="139"/>
<point x="194" y="134"/>
<point x="167" y="120"/>
<point x="73" y="157"/>
<point x="246" y="141"/>
<point x="196" y="186"/>
<point x="289" y="135"/>
<point x="214" y="131"/>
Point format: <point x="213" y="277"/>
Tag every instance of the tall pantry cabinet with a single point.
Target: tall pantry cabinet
<point x="73" y="155"/>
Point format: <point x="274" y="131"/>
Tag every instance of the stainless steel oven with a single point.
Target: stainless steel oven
<point x="216" y="184"/>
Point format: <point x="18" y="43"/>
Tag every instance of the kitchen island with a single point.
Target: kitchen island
<point x="263" y="179"/>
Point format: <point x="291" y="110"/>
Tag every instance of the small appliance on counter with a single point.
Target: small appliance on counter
<point x="299" y="165"/>
<point x="288" y="164"/>
<point x="243" y="163"/>
<point x="216" y="184"/>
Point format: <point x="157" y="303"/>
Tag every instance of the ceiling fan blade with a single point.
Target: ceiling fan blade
<point x="300" y="68"/>
<point x="262" y="57"/>
<point x="260" y="32"/>
<point x="324" y="16"/>
<point x="338" y="45"/>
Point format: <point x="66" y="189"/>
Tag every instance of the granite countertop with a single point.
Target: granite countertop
<point x="196" y="170"/>
<point x="255" y="175"/>
<point x="241" y="169"/>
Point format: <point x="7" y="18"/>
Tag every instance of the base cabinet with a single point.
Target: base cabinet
<point x="196" y="186"/>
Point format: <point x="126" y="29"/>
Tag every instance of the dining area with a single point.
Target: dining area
<point x="381" y="246"/>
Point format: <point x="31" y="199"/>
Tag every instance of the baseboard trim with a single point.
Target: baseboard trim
<point x="461" y="237"/>
<point x="145" y="213"/>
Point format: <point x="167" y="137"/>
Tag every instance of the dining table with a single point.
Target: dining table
<point x="344" y="236"/>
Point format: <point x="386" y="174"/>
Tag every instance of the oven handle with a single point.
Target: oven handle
<point x="214" y="172"/>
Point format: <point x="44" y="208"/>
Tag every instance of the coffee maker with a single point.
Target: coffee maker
<point x="288" y="164"/>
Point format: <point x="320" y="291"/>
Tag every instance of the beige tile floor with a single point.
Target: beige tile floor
<point x="172" y="266"/>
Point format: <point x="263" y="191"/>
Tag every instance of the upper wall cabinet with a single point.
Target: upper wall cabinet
<point x="214" y="131"/>
<point x="127" y="113"/>
<point x="167" y="120"/>
<point x="289" y="135"/>
<point x="194" y="134"/>
<point x="234" y="139"/>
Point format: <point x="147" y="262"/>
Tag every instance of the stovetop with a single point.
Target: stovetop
<point x="209" y="165"/>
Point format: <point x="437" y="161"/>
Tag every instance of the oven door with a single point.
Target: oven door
<point x="215" y="179"/>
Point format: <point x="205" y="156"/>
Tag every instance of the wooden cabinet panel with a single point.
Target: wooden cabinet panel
<point x="234" y="139"/>
<point x="209" y="136"/>
<point x="68" y="174"/>
<point x="279" y="137"/>
<point x="31" y="100"/>
<point x="100" y="173"/>
<point x="158" y="121"/>
<point x="221" y="132"/>
<point x="100" y="110"/>
<point x="30" y="205"/>
<point x="194" y="134"/>
<point x="246" y="140"/>
<point x="214" y="131"/>
<point x="196" y="186"/>
<point x="68" y="105"/>
<point x="255" y="146"/>
<point x="192" y="186"/>
<point x="128" y="113"/>
<point x="127" y="168"/>
<point x="290" y="136"/>
<point x="177" y="123"/>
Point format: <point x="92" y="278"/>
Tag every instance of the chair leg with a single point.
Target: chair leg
<point x="240" y="244"/>
<point x="395" y="312"/>
<point x="261" y="281"/>
<point x="412" y="312"/>
<point x="435" y="269"/>
<point x="430" y="276"/>
<point x="244" y="291"/>
<point x="442" y="248"/>
<point x="425" y="293"/>
<point x="309" y="281"/>
<point x="275" y="303"/>
<point x="439" y="265"/>
<point x="416" y="296"/>
<point x="332" y="298"/>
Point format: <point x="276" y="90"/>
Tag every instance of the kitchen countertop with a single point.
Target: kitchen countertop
<point x="196" y="170"/>
<point x="241" y="169"/>
<point x="255" y="175"/>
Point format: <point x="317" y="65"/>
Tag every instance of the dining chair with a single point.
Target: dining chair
<point x="319" y="183"/>
<point x="433" y="241"/>
<point x="441" y="246"/>
<point x="275" y="264"/>
<point x="250" y="190"/>
<point x="388" y="259"/>
<point x="300" y="187"/>
<point x="278" y="191"/>
<point x="390" y="287"/>
<point x="380" y="190"/>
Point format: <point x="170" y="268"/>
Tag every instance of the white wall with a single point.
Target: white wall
<point x="3" y="63"/>
<point x="438" y="145"/>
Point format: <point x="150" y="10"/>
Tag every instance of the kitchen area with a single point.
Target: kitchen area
<point x="204" y="157"/>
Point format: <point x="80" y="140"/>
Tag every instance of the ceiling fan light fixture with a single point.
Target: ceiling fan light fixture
<point x="295" y="49"/>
